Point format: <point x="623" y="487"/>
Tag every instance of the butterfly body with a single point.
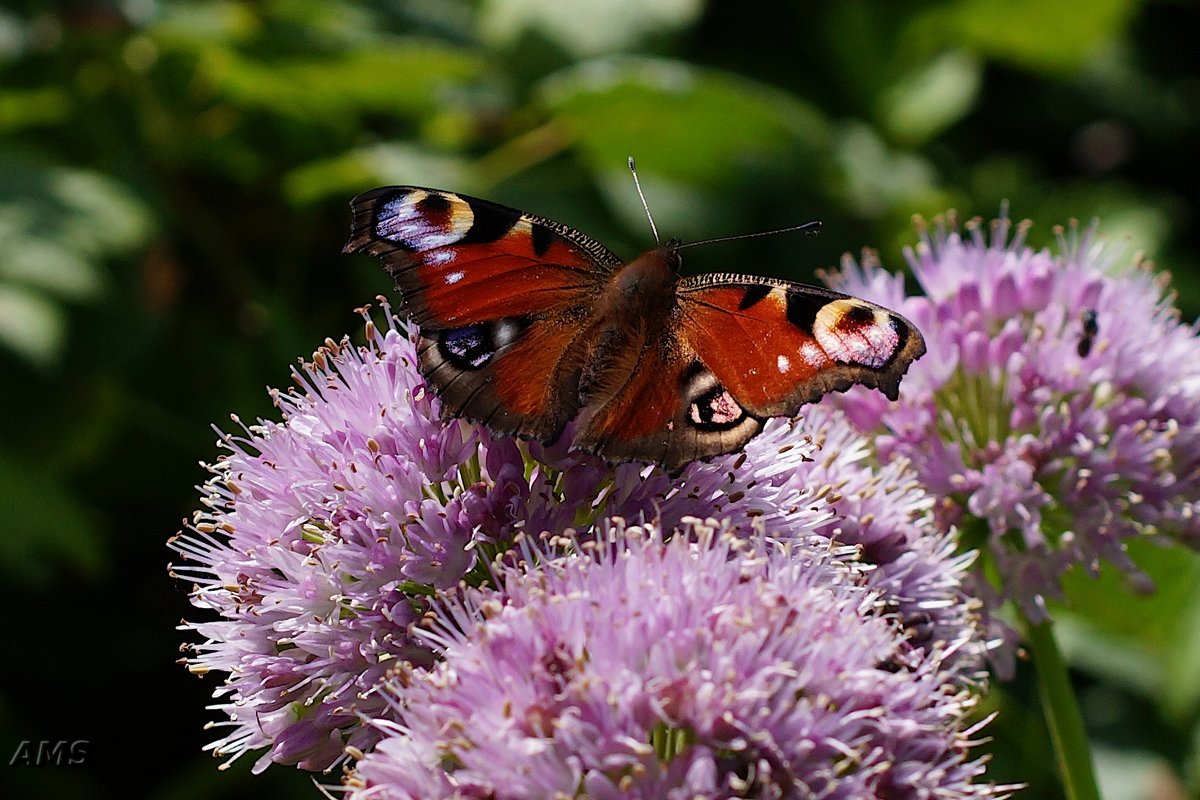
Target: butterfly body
<point x="527" y="324"/>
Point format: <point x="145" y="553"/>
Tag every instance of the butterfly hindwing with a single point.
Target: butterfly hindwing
<point x="500" y="297"/>
<point x="776" y="345"/>
<point x="516" y="376"/>
<point x="671" y="410"/>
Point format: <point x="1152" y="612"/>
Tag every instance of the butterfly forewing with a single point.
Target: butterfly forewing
<point x="500" y="297"/>
<point x="458" y="260"/>
<point x="776" y="345"/>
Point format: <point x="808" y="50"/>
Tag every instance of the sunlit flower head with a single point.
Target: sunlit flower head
<point x="884" y="510"/>
<point x="709" y="666"/>
<point x="1057" y="413"/>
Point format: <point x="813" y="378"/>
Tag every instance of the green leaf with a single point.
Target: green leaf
<point x="694" y="124"/>
<point x="57" y="224"/>
<point x="878" y="179"/>
<point x="14" y="35"/>
<point x="350" y="173"/>
<point x="928" y="100"/>
<point x="204" y="25"/>
<point x="1055" y="36"/>
<point x="31" y="325"/>
<point x="24" y="108"/>
<point x="585" y="27"/>
<point x="406" y="76"/>
<point x="1148" y="642"/>
<point x="1130" y="773"/>
<point x="92" y="212"/>
<point x="690" y="129"/>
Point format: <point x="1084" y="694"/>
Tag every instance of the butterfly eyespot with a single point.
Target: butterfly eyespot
<point x="472" y="347"/>
<point x="420" y="220"/>
<point x="712" y="407"/>
<point x="468" y="348"/>
<point x="852" y="332"/>
<point x="715" y="410"/>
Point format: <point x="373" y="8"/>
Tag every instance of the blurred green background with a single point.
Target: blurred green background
<point x="173" y="187"/>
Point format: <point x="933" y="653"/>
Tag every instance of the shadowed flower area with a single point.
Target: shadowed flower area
<point x="1057" y="414"/>
<point x="709" y="666"/>
<point x="325" y="535"/>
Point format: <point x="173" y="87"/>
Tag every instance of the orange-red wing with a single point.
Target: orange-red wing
<point x="459" y="260"/>
<point x="517" y="377"/>
<point x="501" y="298"/>
<point x="776" y="345"/>
<point x="669" y="409"/>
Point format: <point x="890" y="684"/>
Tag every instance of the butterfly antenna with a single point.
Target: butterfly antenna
<point x="811" y="228"/>
<point x="638" y="185"/>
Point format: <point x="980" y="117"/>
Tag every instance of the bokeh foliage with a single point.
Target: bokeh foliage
<point x="173" y="180"/>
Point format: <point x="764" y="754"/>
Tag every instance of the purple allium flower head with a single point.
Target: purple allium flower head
<point x="885" y="512"/>
<point x="323" y="535"/>
<point x="709" y="666"/>
<point x="1057" y="413"/>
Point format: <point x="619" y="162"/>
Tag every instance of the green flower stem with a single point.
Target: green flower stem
<point x="1062" y="715"/>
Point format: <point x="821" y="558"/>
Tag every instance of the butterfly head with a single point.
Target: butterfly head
<point x="645" y="287"/>
<point x="670" y="253"/>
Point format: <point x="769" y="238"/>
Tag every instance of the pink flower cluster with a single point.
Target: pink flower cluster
<point x="331" y="539"/>
<point x="707" y="666"/>
<point x="1057" y="413"/>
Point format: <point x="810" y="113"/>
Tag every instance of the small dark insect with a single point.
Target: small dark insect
<point x="1091" y="327"/>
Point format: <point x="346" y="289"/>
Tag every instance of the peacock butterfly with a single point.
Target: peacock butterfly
<point x="526" y="324"/>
